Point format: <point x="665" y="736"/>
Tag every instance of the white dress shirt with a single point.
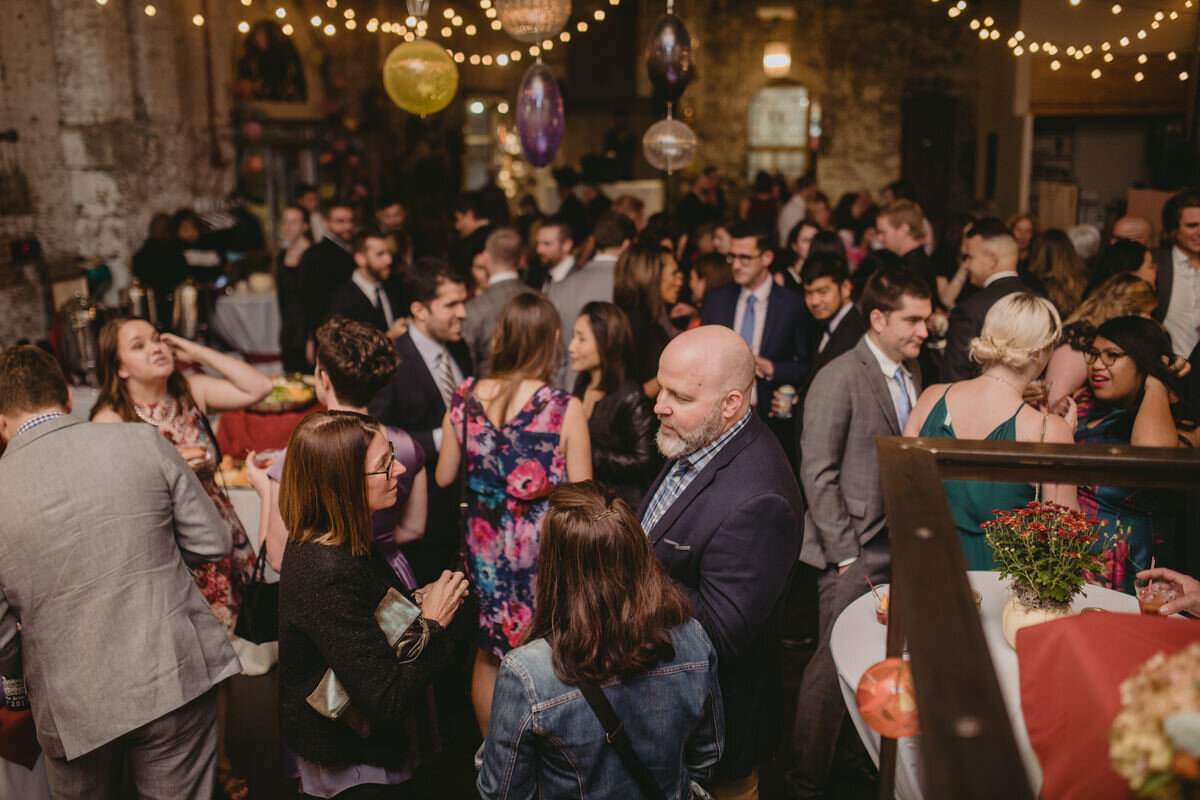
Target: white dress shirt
<point x="761" y="295"/>
<point x="997" y="276"/>
<point x="562" y="269"/>
<point x="375" y="293"/>
<point x="888" y="367"/>
<point x="431" y="354"/>
<point x="1183" y="309"/>
<point x="501" y="277"/>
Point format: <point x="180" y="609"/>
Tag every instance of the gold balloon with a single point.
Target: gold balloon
<point x="420" y="77"/>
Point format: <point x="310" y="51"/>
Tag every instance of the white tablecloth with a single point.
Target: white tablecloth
<point x="250" y="322"/>
<point x="858" y="641"/>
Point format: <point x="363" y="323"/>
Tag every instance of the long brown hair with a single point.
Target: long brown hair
<point x="614" y="342"/>
<point x="637" y="281"/>
<point x="1059" y="267"/>
<point x="1122" y="295"/>
<point x="323" y="489"/>
<point x="602" y="601"/>
<point x="113" y="392"/>
<point x="525" y="345"/>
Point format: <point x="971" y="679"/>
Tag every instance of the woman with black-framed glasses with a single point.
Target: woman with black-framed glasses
<point x="1139" y="400"/>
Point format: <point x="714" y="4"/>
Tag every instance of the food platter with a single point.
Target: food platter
<point x="288" y="393"/>
<point x="233" y="470"/>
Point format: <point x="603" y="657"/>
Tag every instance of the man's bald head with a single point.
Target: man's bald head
<point x="1134" y="229"/>
<point x="705" y="376"/>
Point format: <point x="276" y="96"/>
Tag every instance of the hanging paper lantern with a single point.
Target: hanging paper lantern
<point x="887" y="700"/>
<point x="669" y="57"/>
<point x="252" y="131"/>
<point x="420" y="77"/>
<point x="669" y="144"/>
<point x="254" y="164"/>
<point x="533" y="21"/>
<point x="540" y="119"/>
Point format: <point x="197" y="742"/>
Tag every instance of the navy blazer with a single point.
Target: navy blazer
<point x="784" y="340"/>
<point x="411" y="401"/>
<point x="730" y="541"/>
<point x="349" y="301"/>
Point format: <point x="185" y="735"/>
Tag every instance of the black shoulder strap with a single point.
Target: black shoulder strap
<point x="615" y="733"/>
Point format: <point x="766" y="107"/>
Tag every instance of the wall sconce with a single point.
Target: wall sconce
<point x="777" y="59"/>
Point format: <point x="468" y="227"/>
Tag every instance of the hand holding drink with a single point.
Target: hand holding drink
<point x="1167" y="592"/>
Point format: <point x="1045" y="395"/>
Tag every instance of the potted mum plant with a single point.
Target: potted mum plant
<point x="1045" y="549"/>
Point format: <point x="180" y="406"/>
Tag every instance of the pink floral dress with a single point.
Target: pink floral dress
<point x="511" y="472"/>
<point x="220" y="582"/>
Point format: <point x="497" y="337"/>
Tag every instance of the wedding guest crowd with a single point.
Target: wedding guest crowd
<point x="644" y="430"/>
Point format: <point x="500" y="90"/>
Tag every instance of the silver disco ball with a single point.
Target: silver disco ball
<point x="669" y="144"/>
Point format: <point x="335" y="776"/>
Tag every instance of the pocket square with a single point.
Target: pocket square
<point x="677" y="545"/>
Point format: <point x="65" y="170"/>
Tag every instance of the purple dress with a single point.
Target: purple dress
<point x="511" y="471"/>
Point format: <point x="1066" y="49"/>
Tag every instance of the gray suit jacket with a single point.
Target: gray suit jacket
<point x="848" y="407"/>
<point x="94" y="519"/>
<point x="483" y="315"/>
<point x="594" y="282"/>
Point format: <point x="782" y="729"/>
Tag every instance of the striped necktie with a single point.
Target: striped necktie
<point x="445" y="377"/>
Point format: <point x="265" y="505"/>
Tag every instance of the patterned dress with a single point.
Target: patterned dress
<point x="221" y="582"/>
<point x="511" y="472"/>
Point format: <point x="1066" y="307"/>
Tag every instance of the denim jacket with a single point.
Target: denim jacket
<point x="544" y="740"/>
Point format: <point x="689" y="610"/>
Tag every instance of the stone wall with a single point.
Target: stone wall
<point x="857" y="58"/>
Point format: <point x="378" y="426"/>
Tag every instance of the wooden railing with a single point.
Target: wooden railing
<point x="967" y="743"/>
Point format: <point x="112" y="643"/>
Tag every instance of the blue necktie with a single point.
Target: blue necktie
<point x="748" y="321"/>
<point x="903" y="404"/>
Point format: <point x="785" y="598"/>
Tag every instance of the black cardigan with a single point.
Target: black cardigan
<point x="327" y="600"/>
<point x="622" y="428"/>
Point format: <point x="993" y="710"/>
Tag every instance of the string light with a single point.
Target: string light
<point x="1139" y="76"/>
<point x="279" y="12"/>
<point x="1183" y="76"/>
<point x="288" y="30"/>
<point x="244" y="2"/>
<point x="1096" y="73"/>
<point x="198" y="20"/>
<point x="150" y="11"/>
<point x="243" y="27"/>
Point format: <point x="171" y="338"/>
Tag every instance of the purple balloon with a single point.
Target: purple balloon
<point x="540" y="119"/>
<point x="669" y="56"/>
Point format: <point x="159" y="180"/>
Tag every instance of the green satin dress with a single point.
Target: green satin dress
<point x="972" y="502"/>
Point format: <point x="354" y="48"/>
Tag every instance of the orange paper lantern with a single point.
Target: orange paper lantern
<point x="887" y="700"/>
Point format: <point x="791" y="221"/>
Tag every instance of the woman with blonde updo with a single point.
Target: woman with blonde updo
<point x="1019" y="334"/>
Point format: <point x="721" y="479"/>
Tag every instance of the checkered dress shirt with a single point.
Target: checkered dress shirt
<point x="684" y="472"/>
<point x="33" y="422"/>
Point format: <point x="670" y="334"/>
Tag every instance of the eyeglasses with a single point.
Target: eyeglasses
<point x="742" y="257"/>
<point x="391" y="460"/>
<point x="1107" y="358"/>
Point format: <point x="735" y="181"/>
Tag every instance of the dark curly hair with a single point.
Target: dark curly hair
<point x="357" y="357"/>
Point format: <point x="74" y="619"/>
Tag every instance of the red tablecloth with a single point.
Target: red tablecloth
<point x="242" y="431"/>
<point x="18" y="737"/>
<point x="1071" y="673"/>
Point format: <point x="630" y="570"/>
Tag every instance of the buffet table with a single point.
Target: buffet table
<point x="858" y="641"/>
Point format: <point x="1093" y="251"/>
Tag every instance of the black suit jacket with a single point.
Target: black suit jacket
<point x="919" y="262"/>
<point x="784" y="340"/>
<point x="349" y="301"/>
<point x="411" y="401"/>
<point x="843" y="339"/>
<point x="730" y="541"/>
<point x="1164" y="259"/>
<point x="323" y="268"/>
<point x="966" y="321"/>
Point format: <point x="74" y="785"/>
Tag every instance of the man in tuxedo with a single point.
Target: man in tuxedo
<point x="365" y="297"/>
<point x="324" y="267"/>
<point x="724" y="519"/>
<point x="861" y="395"/>
<point x="827" y="291"/>
<point x="472" y="226"/>
<point x="433" y="362"/>
<point x="594" y="282"/>
<point x="771" y="320"/>
<point x="98" y="608"/>
<point x="991" y="261"/>
<point x="1178" y="283"/>
<point x="499" y="259"/>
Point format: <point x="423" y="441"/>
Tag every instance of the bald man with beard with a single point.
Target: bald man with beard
<point x="724" y="518"/>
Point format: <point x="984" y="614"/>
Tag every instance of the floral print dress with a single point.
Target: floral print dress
<point x="221" y="581"/>
<point x="511" y="472"/>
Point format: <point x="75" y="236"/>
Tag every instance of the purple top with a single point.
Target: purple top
<point x="412" y="458"/>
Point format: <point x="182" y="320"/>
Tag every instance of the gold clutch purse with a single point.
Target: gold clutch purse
<point x="407" y="634"/>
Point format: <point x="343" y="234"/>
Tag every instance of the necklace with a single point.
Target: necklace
<point x="172" y="409"/>
<point x="1006" y="383"/>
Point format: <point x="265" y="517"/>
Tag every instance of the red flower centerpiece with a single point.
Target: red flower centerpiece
<point x="1047" y="550"/>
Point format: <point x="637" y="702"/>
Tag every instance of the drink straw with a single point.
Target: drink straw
<point x="874" y="591"/>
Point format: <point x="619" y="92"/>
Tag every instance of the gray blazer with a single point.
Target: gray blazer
<point x="594" y="282"/>
<point x="848" y="407"/>
<point x="96" y="522"/>
<point x="483" y="315"/>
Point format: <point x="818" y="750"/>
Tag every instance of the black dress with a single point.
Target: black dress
<point x="291" y="314"/>
<point x="622" y="428"/>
